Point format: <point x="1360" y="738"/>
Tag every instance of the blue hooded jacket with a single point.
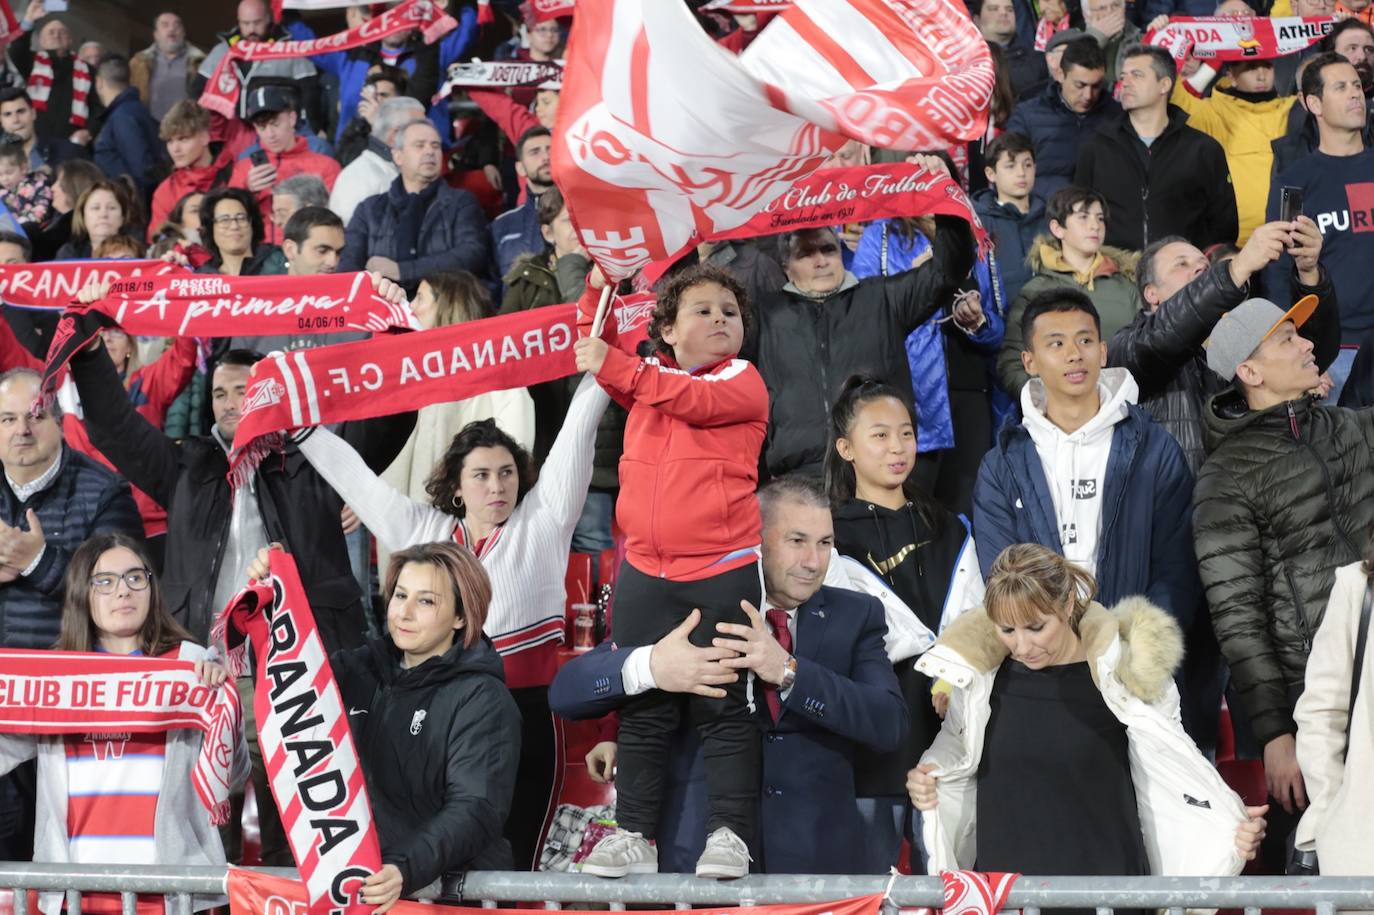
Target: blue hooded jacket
<point x="925" y="348"/>
<point x="1145" y="543"/>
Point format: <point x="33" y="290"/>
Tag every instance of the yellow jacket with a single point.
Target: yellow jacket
<point x="1244" y="129"/>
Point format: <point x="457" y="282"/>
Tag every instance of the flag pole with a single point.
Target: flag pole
<point x="602" y="309"/>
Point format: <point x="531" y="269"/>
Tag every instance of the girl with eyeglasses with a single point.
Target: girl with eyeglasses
<point x="233" y="233"/>
<point x="121" y="798"/>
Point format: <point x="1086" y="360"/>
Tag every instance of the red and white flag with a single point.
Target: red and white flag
<point x="664" y="137"/>
<point x="544" y="10"/>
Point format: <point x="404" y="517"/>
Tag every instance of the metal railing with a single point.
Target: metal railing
<point x="1326" y="895"/>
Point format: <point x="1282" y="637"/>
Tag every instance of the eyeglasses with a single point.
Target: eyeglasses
<point x="107" y="582"/>
<point x="238" y="219"/>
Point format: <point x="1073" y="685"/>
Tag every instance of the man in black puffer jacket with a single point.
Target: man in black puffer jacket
<point x="70" y="496"/>
<point x="1162" y="347"/>
<point x="826" y="325"/>
<point x="1285" y="497"/>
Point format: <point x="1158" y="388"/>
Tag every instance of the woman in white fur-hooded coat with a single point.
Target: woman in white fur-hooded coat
<point x="1038" y="620"/>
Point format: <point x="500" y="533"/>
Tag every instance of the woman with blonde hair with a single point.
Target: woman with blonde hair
<point x="1062" y="751"/>
<point x="436" y="729"/>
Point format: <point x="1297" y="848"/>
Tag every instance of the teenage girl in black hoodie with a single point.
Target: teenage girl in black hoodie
<point x="923" y="552"/>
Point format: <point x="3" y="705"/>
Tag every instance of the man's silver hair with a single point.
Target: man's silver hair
<point x="395" y="113"/>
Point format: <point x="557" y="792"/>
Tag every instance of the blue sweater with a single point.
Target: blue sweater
<point x="351" y="71"/>
<point x="1338" y="195"/>
<point x="925" y="347"/>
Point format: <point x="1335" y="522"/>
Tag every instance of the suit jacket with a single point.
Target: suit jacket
<point x="845" y="695"/>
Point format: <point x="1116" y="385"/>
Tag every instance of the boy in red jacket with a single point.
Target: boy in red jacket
<point x="688" y="472"/>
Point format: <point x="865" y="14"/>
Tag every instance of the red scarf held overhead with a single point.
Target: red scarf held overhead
<point x="40" y="86"/>
<point x="834" y="196"/>
<point x="9" y="26"/>
<point x="406" y="372"/>
<point x="1232" y="38"/>
<point x="312" y="764"/>
<point x="72" y="692"/>
<point x="203" y="305"/>
<point x="222" y="90"/>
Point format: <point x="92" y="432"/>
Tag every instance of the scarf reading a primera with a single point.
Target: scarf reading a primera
<point x="73" y="692"/>
<point x="303" y="732"/>
<point x="405" y="372"/>
<point x="196" y="305"/>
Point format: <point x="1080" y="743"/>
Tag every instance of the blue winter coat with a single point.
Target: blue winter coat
<point x="516" y="232"/>
<point x="128" y="141"/>
<point x="845" y="698"/>
<point x="1145" y="545"/>
<point x="1056" y="133"/>
<point x="1013" y="233"/>
<point x="925" y="346"/>
<point x="453" y="235"/>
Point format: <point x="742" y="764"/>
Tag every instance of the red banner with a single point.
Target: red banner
<point x="312" y="764"/>
<point x="222" y="90"/>
<point x="834" y="196"/>
<point x="253" y="893"/>
<point x="405" y="372"/>
<point x="55" y="284"/>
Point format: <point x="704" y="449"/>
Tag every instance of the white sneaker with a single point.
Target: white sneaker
<point x="725" y="856"/>
<point x="620" y="853"/>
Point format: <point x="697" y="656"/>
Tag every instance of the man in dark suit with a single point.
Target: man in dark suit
<point x="822" y="686"/>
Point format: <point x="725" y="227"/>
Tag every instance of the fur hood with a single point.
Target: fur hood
<point x="1114" y="260"/>
<point x="1151" y="642"/>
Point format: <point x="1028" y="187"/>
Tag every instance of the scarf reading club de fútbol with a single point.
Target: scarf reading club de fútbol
<point x="67" y="692"/>
<point x="312" y="764"/>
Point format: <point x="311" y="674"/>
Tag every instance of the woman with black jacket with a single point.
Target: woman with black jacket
<point x="437" y="732"/>
<point x="921" y="550"/>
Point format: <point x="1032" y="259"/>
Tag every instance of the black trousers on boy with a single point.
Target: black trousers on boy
<point x="646" y="609"/>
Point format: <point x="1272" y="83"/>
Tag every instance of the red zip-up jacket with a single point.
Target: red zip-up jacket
<point x="690" y="464"/>
<point x="297" y="160"/>
<point x="183" y="181"/>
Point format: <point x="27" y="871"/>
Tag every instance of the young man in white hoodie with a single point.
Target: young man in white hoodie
<point x="1086" y="472"/>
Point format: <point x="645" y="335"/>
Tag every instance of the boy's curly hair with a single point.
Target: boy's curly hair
<point x="672" y="289"/>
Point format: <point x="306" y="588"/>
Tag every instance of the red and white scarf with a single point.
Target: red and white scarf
<point x="65" y="692"/>
<point x="202" y="305"/>
<point x="53" y="285"/>
<point x="222" y="90"/>
<point x="406" y="372"/>
<point x="320" y="792"/>
<point x="975" y="893"/>
<point x="40" y="86"/>
<point x="1234" y="38"/>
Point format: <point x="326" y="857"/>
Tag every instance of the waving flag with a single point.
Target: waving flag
<point x="664" y="137"/>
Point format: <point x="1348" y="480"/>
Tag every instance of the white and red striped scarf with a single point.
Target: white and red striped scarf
<point x="40" y="86"/>
<point x="65" y="692"/>
<point x="201" y="305"/>
<point x="388" y="375"/>
<point x="321" y="793"/>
